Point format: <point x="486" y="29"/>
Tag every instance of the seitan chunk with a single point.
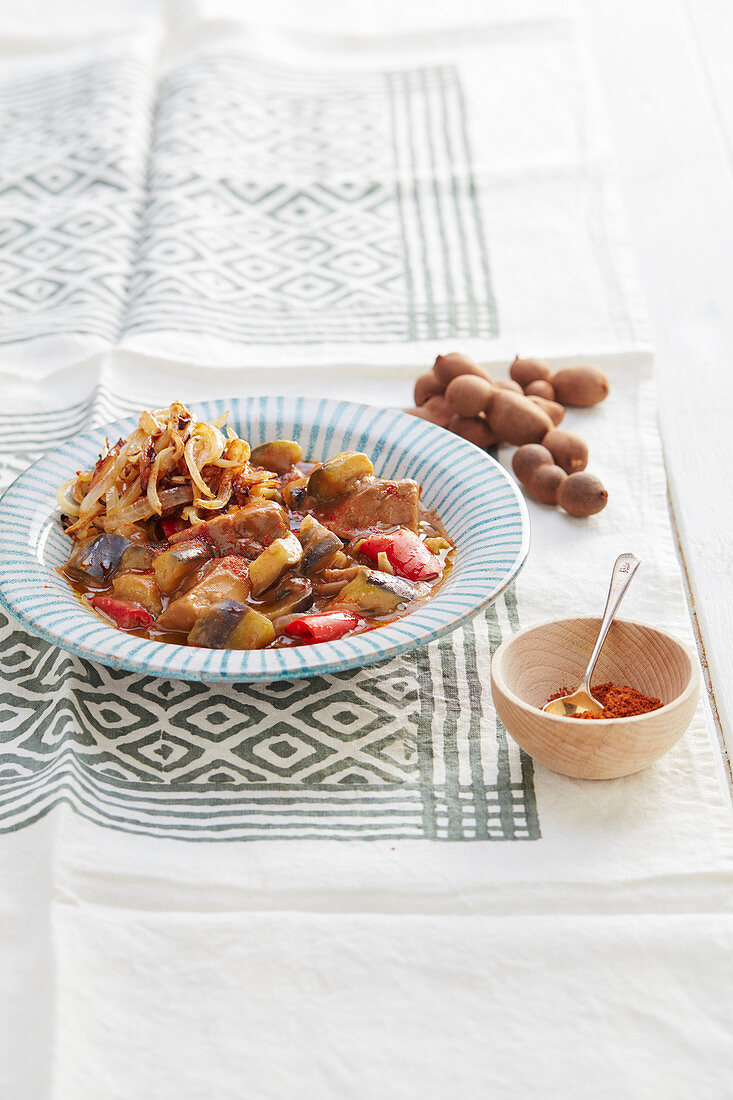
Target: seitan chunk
<point x="374" y="504"/>
<point x="246" y="532"/>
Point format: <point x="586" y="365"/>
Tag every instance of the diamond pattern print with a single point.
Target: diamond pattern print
<point x="71" y="193"/>
<point x="261" y="204"/>
<point x="93" y="719"/>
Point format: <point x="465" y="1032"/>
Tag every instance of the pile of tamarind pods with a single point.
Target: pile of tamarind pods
<point x="526" y="411"/>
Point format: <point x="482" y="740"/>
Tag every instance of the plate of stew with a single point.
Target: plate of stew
<point x="257" y="539"/>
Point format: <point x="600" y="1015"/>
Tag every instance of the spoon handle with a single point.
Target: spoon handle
<point x="623" y="572"/>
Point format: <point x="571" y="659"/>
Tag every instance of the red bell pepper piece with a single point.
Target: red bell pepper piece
<point x="171" y="526"/>
<point x="323" y="628"/>
<point x="406" y="553"/>
<point x="123" y="613"/>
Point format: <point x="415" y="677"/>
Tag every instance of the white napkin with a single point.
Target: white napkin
<point x="586" y="961"/>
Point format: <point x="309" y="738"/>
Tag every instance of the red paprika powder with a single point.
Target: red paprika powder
<point x="618" y="701"/>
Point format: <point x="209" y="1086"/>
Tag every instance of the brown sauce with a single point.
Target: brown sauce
<point x="429" y="527"/>
<point x="321" y="603"/>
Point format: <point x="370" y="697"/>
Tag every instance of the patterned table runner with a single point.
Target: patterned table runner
<point x="253" y="201"/>
<point x="408" y="748"/>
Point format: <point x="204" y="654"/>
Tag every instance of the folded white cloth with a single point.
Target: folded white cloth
<point x="201" y="210"/>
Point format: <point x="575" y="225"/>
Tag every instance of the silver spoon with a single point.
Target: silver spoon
<point x="581" y="699"/>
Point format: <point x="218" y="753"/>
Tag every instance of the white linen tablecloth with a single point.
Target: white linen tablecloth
<point x="193" y="208"/>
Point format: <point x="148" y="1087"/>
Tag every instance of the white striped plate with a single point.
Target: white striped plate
<point x="477" y="500"/>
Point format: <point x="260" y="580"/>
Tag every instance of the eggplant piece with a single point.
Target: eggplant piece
<point x="138" y="558"/>
<point x="320" y="545"/>
<point x="245" y="532"/>
<point x="279" y="455"/>
<point x="331" y="581"/>
<point x="294" y="493"/>
<point x="174" y="565"/>
<point x="338" y="475"/>
<point x="139" y="588"/>
<point x="230" y="624"/>
<point x="375" y="593"/>
<point x="223" y="579"/>
<point x="270" y="565"/>
<point x="293" y="597"/>
<point x="98" y="558"/>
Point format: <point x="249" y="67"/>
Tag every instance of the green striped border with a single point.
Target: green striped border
<point x="443" y="237"/>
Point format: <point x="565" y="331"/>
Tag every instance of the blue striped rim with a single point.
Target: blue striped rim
<point x="478" y="501"/>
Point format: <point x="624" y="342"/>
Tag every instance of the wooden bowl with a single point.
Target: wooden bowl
<point x="530" y="667"/>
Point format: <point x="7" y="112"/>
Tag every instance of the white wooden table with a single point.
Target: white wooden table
<point x="668" y="88"/>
